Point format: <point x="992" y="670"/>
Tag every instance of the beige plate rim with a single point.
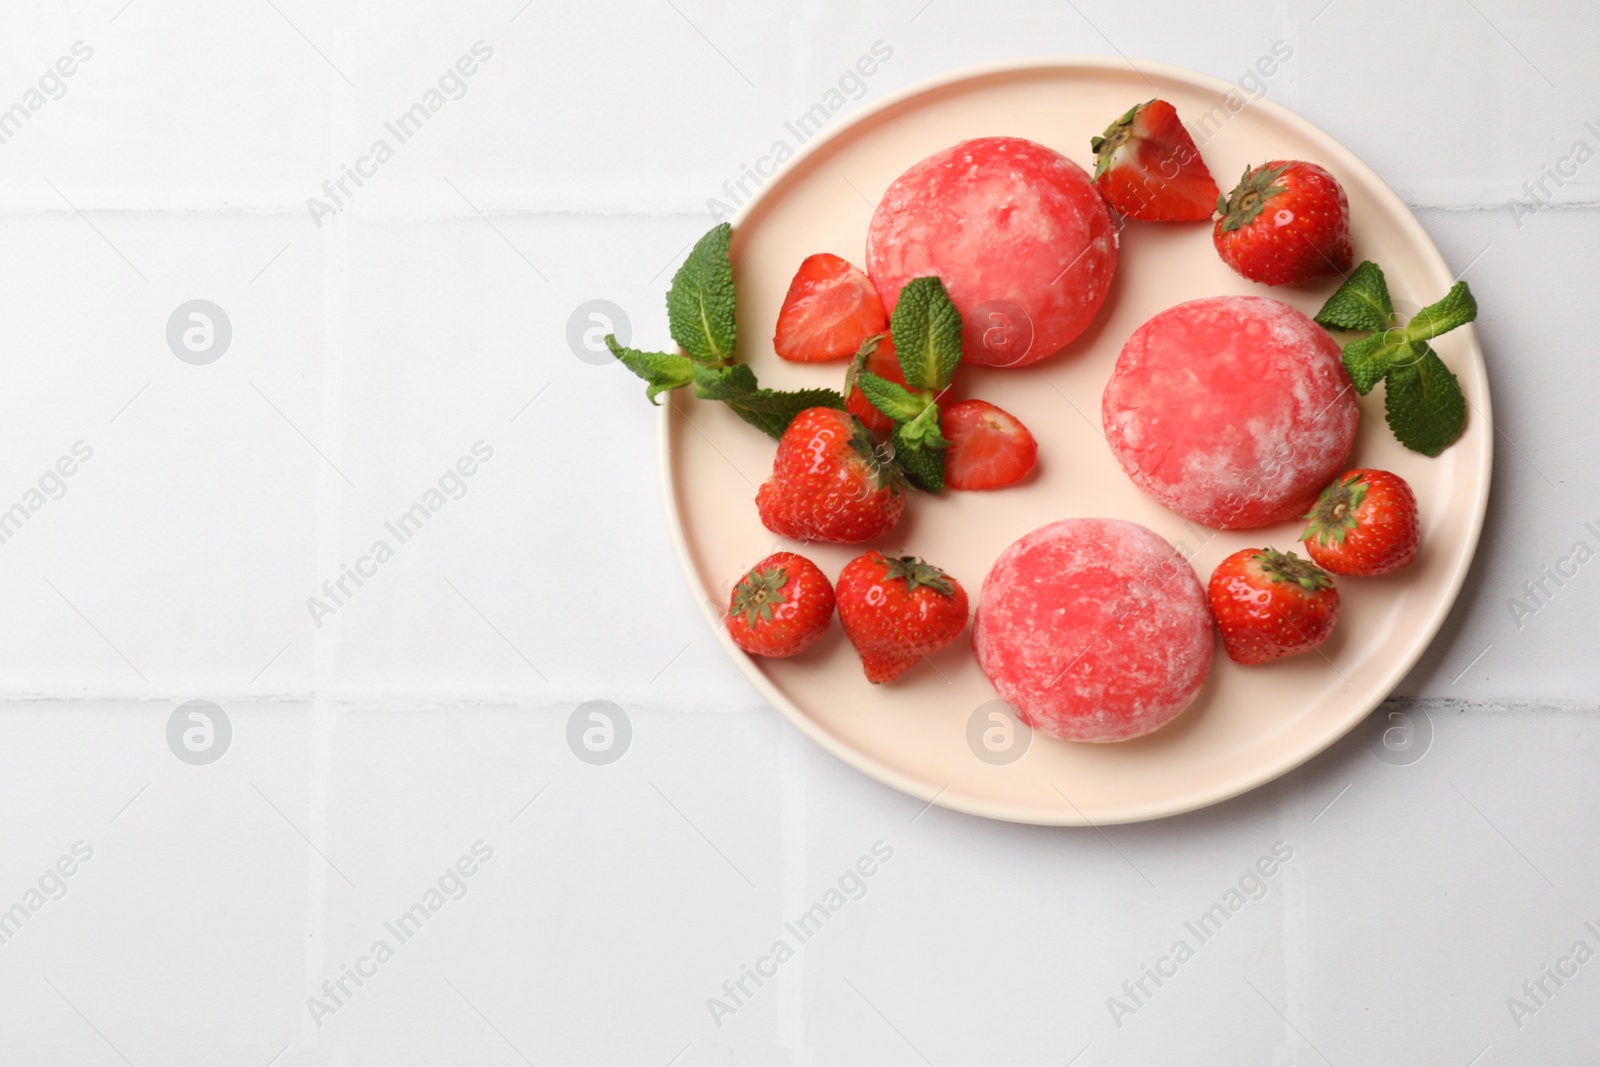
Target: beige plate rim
<point x="1402" y="663"/>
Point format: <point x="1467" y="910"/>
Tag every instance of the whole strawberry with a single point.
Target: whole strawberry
<point x="1285" y="222"/>
<point x="1365" y="523"/>
<point x="827" y="484"/>
<point x="1147" y="167"/>
<point x="1270" y="604"/>
<point x="780" y="607"/>
<point x="897" y="610"/>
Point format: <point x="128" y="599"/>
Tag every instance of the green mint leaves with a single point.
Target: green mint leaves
<point x="1456" y="309"/>
<point x="919" y="449"/>
<point x="700" y="314"/>
<point x="700" y="302"/>
<point x="1367" y="361"/>
<point x="926" y="328"/>
<point x="1422" y="398"/>
<point x="894" y="400"/>
<point x="661" y="370"/>
<point x="768" y="410"/>
<point x="1362" y="302"/>
<point x="1424" y="404"/>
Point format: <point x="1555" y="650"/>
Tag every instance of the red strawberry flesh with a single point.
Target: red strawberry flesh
<point x="831" y="308"/>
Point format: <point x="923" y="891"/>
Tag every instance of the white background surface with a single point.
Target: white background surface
<point x="369" y="754"/>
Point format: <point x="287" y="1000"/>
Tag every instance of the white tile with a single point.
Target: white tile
<point x="430" y="712"/>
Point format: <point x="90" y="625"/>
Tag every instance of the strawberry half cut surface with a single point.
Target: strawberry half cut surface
<point x="831" y="308"/>
<point x="989" y="447"/>
<point x="1148" y="168"/>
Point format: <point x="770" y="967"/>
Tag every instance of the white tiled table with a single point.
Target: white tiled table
<point x="418" y="721"/>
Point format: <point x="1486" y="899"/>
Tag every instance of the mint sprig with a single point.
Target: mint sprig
<point x="700" y="315"/>
<point x="926" y="328"/>
<point x="1423" y="401"/>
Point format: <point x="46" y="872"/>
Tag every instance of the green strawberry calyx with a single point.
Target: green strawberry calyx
<point x="914" y="572"/>
<point x="1117" y="134"/>
<point x="758" y="593"/>
<point x="1240" y="207"/>
<point x="1288" y="567"/>
<point x="1333" y="516"/>
<point x="858" y="362"/>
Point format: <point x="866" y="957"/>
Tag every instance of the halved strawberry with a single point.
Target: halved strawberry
<point x="1148" y="167"/>
<point x="831" y="308"/>
<point x="989" y="448"/>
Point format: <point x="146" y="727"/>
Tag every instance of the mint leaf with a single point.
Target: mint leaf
<point x="927" y="334"/>
<point x="723" y="383"/>
<point x="924" y="429"/>
<point x="1456" y="309"/>
<point x="661" y="370"/>
<point x="1361" y="303"/>
<point x="1424" y="404"/>
<point x="771" y="410"/>
<point x="919" y="449"/>
<point x="1367" y="360"/>
<point x="894" y="400"/>
<point x="700" y="302"/>
<point x="768" y="410"/>
<point x="924" y="467"/>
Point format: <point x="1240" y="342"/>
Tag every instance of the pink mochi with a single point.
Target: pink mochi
<point x="1094" y="630"/>
<point x="1022" y="240"/>
<point x="1233" y="411"/>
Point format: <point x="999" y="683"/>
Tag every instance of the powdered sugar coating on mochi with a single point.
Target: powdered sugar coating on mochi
<point x="1023" y="242"/>
<point x="1233" y="411"/>
<point x="1094" y="630"/>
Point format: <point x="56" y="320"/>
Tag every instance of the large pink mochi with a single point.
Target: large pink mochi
<point x="1233" y="411"/>
<point x="1023" y="242"/>
<point x="1094" y="630"/>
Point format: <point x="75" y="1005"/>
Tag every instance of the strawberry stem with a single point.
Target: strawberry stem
<point x="1288" y="567"/>
<point x="914" y="572"/>
<point x="757" y="592"/>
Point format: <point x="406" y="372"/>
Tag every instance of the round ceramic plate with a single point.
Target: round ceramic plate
<point x="1248" y="725"/>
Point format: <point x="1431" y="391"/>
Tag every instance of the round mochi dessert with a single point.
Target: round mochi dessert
<point x="1022" y="240"/>
<point x="1094" y="630"/>
<point x="1233" y="411"/>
